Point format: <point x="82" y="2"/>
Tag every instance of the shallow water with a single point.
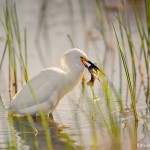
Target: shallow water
<point x="47" y="38"/>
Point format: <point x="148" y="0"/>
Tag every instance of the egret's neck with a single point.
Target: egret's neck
<point x="74" y="73"/>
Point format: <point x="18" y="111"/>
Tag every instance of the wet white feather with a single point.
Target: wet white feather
<point x="46" y="89"/>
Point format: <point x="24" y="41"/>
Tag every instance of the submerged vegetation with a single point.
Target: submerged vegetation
<point x="109" y="111"/>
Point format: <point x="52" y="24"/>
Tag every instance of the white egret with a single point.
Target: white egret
<point x="45" y="90"/>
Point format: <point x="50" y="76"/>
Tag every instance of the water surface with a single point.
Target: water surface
<point x="48" y="25"/>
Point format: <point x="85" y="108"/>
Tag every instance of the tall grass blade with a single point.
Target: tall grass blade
<point x="132" y="93"/>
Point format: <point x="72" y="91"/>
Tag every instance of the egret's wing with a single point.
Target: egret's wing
<point x="47" y="106"/>
<point x="38" y="89"/>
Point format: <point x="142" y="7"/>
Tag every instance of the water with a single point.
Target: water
<point x="47" y="38"/>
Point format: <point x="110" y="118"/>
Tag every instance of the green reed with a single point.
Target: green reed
<point x="147" y="4"/>
<point x="144" y="36"/>
<point x="112" y="125"/>
<point x="3" y="54"/>
<point x="131" y="85"/>
<point x="16" y="54"/>
<point x="126" y="33"/>
<point x="11" y="49"/>
<point x="13" y="45"/>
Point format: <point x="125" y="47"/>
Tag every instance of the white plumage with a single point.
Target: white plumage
<point x="46" y="89"/>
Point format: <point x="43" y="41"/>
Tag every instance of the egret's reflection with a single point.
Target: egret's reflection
<point x="34" y="135"/>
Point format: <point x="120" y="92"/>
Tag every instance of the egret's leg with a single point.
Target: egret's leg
<point x="34" y="117"/>
<point x="50" y="115"/>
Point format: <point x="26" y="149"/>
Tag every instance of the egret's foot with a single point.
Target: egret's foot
<point x="50" y="116"/>
<point x="34" y="118"/>
<point x="61" y="127"/>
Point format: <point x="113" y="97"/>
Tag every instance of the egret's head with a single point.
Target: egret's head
<point x="77" y="57"/>
<point x="72" y="57"/>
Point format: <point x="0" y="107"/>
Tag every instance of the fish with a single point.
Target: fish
<point x="94" y="71"/>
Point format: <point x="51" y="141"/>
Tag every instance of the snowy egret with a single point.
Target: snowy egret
<point x="45" y="90"/>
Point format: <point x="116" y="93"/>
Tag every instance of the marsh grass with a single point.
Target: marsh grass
<point x="131" y="85"/>
<point x="13" y="43"/>
<point x="111" y="122"/>
<point x="144" y="33"/>
<point x="18" y="56"/>
<point x="131" y="78"/>
<point x="147" y="54"/>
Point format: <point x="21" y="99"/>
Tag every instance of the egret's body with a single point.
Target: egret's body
<point x="46" y="89"/>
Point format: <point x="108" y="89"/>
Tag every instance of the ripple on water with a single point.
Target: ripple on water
<point x="7" y="132"/>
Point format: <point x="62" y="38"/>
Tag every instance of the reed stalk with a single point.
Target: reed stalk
<point x="132" y="92"/>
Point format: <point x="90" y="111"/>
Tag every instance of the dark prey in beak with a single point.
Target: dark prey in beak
<point x="85" y="61"/>
<point x="93" y="69"/>
<point x="92" y="66"/>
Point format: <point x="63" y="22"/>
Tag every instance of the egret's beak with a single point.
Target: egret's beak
<point x="85" y="61"/>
